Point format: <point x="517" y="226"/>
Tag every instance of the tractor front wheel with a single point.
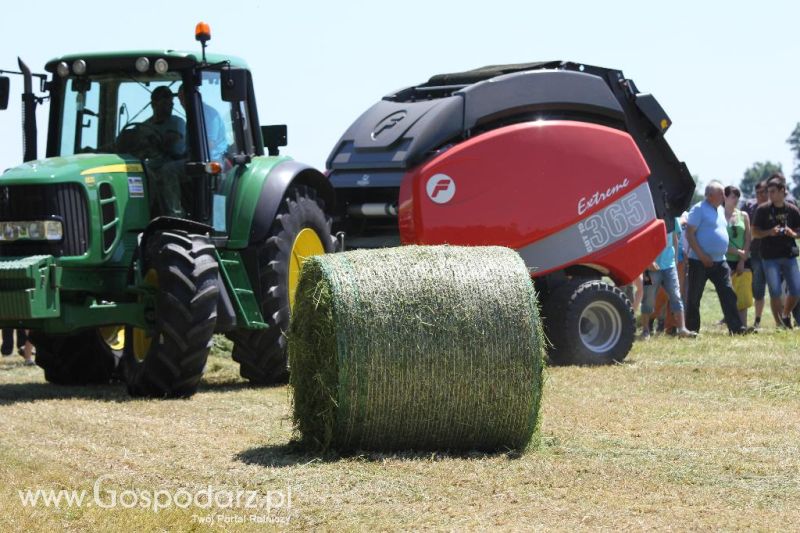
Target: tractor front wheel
<point x="83" y="358"/>
<point x="168" y="360"/>
<point x="301" y="229"/>
<point x="588" y="323"/>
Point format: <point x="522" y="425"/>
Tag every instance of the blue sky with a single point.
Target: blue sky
<point x="726" y="73"/>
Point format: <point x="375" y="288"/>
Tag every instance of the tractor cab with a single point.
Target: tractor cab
<point x="189" y="123"/>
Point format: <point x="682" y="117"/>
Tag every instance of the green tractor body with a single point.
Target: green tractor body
<point x="149" y="226"/>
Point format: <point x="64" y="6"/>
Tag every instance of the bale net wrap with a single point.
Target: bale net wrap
<point x="416" y="348"/>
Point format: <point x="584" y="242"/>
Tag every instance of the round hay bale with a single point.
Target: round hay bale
<point x="416" y="348"/>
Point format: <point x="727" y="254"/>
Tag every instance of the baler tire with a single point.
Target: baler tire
<point x="185" y="317"/>
<point x="588" y="323"/>
<point x="82" y="358"/>
<point x="261" y="353"/>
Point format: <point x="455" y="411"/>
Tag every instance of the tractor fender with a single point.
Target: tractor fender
<point x="282" y="177"/>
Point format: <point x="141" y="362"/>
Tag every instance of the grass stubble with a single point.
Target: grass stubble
<point x="685" y="434"/>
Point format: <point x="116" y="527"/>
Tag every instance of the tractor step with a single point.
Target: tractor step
<point x="248" y="312"/>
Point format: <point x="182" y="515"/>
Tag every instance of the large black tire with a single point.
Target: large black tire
<point x="261" y="354"/>
<point x="588" y="323"/>
<point x="186" y="270"/>
<point x="82" y="358"/>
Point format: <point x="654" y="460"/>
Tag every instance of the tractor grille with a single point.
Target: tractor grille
<point x="108" y="210"/>
<point x="65" y="201"/>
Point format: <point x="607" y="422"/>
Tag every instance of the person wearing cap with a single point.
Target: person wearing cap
<point x="167" y="134"/>
<point x="171" y="128"/>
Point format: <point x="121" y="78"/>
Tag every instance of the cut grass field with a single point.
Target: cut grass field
<point x="685" y="434"/>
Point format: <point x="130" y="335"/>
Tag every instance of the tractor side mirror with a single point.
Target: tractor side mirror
<point x="4" y="90"/>
<point x="274" y="137"/>
<point x="234" y="85"/>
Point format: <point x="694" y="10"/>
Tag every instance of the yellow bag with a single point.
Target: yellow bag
<point x="743" y="287"/>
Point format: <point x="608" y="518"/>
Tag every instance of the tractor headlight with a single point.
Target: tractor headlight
<point x="79" y="67"/>
<point x="142" y="64"/>
<point x="62" y="69"/>
<point x="161" y="65"/>
<point x="35" y="230"/>
<point x="32" y="230"/>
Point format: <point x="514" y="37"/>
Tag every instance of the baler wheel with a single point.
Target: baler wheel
<point x="83" y="358"/>
<point x="588" y="323"/>
<point x="185" y="317"/>
<point x="301" y="229"/>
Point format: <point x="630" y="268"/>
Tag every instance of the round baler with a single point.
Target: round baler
<point x="563" y="162"/>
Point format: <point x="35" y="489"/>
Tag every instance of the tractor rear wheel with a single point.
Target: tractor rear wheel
<point x="588" y="323"/>
<point x="168" y="361"/>
<point x="301" y="229"/>
<point x="82" y="358"/>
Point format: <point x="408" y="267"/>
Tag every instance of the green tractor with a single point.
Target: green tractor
<point x="151" y="226"/>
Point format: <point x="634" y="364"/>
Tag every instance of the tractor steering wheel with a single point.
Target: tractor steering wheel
<point x="141" y="139"/>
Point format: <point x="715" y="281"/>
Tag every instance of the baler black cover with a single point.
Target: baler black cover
<point x="407" y="127"/>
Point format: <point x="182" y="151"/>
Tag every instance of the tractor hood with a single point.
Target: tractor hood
<point x="101" y="200"/>
<point x="80" y="167"/>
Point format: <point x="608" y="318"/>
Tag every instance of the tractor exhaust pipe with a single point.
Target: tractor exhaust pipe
<point x="29" y="135"/>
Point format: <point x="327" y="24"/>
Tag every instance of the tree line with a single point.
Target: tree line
<point x="764" y="169"/>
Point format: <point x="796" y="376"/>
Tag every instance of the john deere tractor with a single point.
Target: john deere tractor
<point x="145" y="230"/>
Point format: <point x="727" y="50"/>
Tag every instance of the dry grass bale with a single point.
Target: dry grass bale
<point x="416" y="348"/>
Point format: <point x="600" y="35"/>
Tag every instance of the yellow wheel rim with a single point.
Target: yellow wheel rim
<point x="114" y="337"/>
<point x="306" y="244"/>
<point x="141" y="338"/>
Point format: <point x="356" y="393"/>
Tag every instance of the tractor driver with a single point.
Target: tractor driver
<point x="171" y="128"/>
<point x="168" y="133"/>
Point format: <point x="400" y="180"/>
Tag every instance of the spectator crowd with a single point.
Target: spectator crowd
<point x="744" y="249"/>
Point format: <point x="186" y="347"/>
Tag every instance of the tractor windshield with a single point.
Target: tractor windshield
<point x="119" y="113"/>
<point x="144" y="116"/>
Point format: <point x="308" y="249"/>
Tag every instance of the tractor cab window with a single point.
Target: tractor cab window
<point x="80" y="126"/>
<point x="220" y="122"/>
<point x="117" y="113"/>
<point x="227" y="133"/>
<point x="150" y="124"/>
